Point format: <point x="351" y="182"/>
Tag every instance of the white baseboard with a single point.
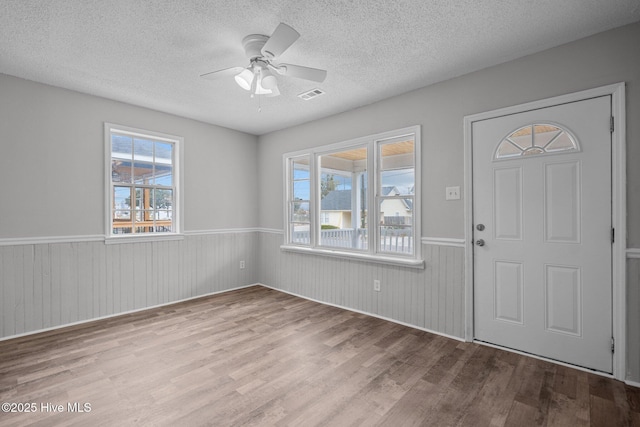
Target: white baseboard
<point x="632" y="383"/>
<point x="364" y="312"/>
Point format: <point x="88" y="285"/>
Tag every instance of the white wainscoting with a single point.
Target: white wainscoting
<point x="55" y="283"/>
<point x="430" y="298"/>
<point x="633" y="316"/>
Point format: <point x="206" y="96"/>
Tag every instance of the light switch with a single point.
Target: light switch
<point x="453" y="193"/>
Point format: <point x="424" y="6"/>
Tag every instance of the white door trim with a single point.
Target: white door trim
<point x="619" y="207"/>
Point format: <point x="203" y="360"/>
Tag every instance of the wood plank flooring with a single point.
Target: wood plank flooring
<point x="261" y="357"/>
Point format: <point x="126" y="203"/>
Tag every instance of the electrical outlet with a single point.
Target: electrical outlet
<point x="452" y="193"/>
<point x="242" y="265"/>
<point x="376" y="285"/>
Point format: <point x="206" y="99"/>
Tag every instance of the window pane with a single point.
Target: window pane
<point x="163" y="163"/>
<point x="396" y="225"/>
<point x="343" y="205"/>
<point x="164" y="153"/>
<point x="145" y="198"/>
<point x="164" y="175"/>
<point x="301" y="190"/>
<point x="562" y="143"/>
<point x="121" y="221"/>
<point x="396" y="196"/>
<point x="523" y="137"/>
<point x="301" y="179"/>
<point x="121" y="155"/>
<point x="397" y="154"/>
<point x="298" y="199"/>
<point x="121" y="171"/>
<point x="397" y="170"/>
<point x="143" y="149"/>
<point x="300" y="211"/>
<point x="122" y="197"/>
<point x="163" y="215"/>
<point x="300" y="233"/>
<point x="148" y="215"/>
<point x="164" y="226"/>
<point x="507" y="149"/>
<point x="398" y="182"/>
<point x="120" y="229"/>
<point x="163" y="199"/>
<point x="121" y="147"/>
<point x="142" y="172"/>
<point x="122" y="215"/>
<point x="300" y="171"/>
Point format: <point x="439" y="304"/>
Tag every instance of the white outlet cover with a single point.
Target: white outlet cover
<point x="452" y="193"/>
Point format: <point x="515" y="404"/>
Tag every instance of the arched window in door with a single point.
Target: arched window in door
<point x="536" y="139"/>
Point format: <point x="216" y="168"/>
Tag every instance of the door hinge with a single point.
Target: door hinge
<point x="611" y="125"/>
<point x="613" y="345"/>
<point x="613" y="235"/>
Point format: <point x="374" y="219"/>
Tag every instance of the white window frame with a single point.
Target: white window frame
<point x="373" y="254"/>
<point x="177" y="208"/>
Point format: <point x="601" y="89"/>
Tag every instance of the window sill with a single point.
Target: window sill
<point x="142" y="238"/>
<point x="380" y="259"/>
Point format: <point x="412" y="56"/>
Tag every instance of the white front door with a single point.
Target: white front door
<point x="542" y="232"/>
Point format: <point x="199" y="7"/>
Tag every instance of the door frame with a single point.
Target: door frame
<point x="618" y="208"/>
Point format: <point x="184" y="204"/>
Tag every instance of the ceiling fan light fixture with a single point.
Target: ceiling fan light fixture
<point x="244" y="79"/>
<point x="274" y="92"/>
<point x="268" y="81"/>
<point x="261" y="90"/>
<point x="263" y="76"/>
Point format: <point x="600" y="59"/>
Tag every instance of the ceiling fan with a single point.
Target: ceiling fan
<point x="258" y="77"/>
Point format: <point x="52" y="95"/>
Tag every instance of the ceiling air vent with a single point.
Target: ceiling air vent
<point x="311" y="94"/>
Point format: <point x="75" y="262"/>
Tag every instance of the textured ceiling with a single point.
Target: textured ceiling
<point x="151" y="53"/>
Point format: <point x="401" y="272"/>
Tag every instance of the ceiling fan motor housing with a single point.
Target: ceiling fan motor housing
<point x="253" y="44"/>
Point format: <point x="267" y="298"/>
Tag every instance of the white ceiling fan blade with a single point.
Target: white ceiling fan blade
<point x="301" y="72"/>
<point x="280" y="40"/>
<point x="227" y="72"/>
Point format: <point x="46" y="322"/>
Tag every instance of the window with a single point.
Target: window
<point x="356" y="198"/>
<point x="142" y="176"/>
<point x="396" y="199"/>
<point x="299" y="200"/>
<point x="342" y="198"/>
<point x="535" y="140"/>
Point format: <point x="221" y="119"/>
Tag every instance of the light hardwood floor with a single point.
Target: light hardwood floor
<point x="257" y="356"/>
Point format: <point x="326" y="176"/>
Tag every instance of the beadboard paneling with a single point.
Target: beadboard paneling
<point x="430" y="298"/>
<point x="45" y="285"/>
<point x="633" y="320"/>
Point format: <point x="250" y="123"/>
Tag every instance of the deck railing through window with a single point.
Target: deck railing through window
<point x="396" y="240"/>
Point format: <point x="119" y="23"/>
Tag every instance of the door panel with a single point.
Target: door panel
<point x="507" y="193"/>
<point x="563" y="305"/>
<point x="508" y="291"/>
<point x="542" y="190"/>
<point x="562" y="202"/>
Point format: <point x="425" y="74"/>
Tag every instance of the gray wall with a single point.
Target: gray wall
<point x="52" y="153"/>
<point x="595" y="61"/>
